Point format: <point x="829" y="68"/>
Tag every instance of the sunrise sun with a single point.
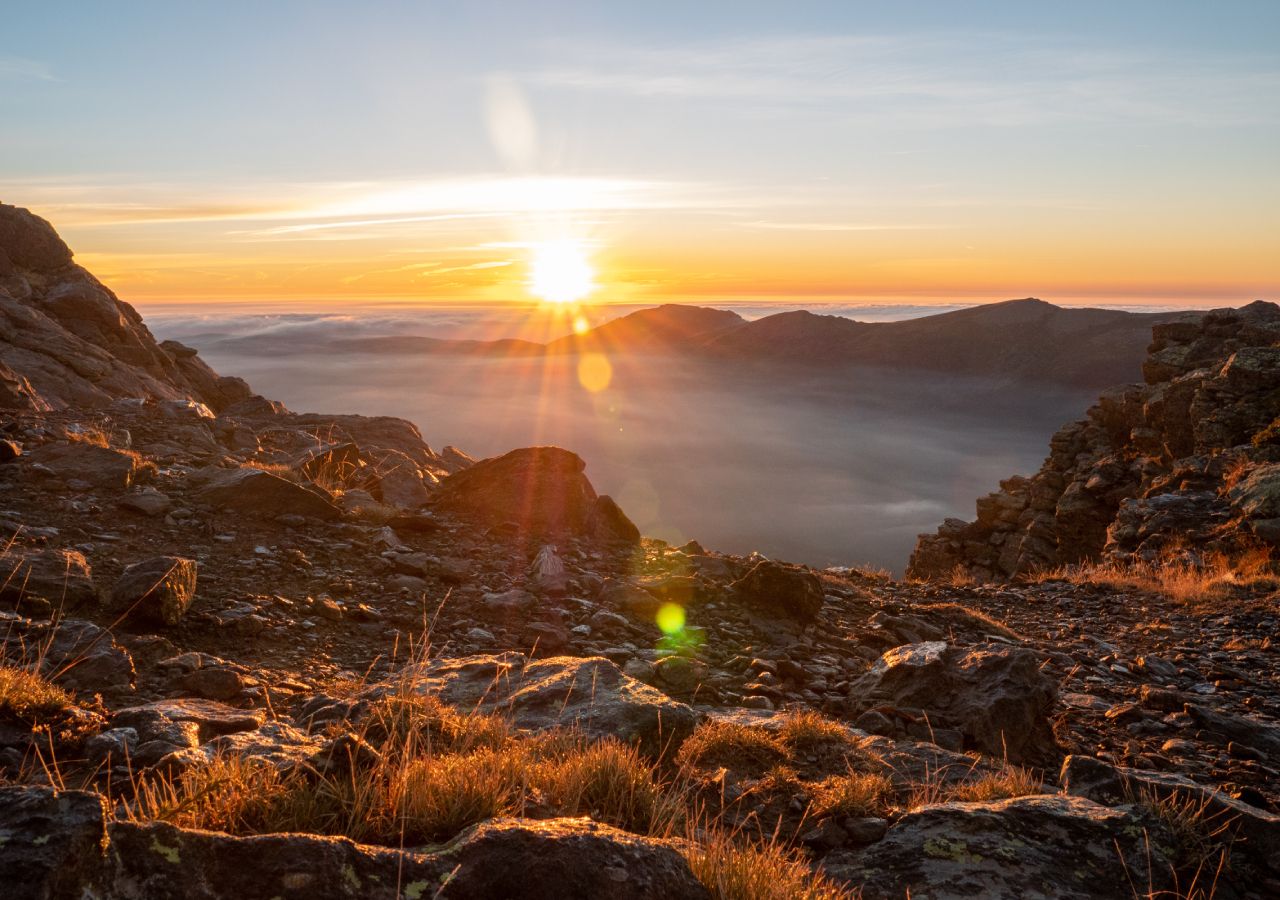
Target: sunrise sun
<point x="560" y="271"/>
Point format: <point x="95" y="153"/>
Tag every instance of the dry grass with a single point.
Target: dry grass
<point x="1201" y="842"/>
<point x="974" y="618"/>
<point x="1004" y="783"/>
<point x="856" y="794"/>
<point x="734" y="869"/>
<point x="805" y="730"/>
<point x="732" y="745"/>
<point x="1009" y="782"/>
<point x="27" y="695"/>
<point x="1177" y="575"/>
<point x="440" y="770"/>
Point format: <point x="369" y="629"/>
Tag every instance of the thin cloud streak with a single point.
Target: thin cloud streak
<point x="925" y="80"/>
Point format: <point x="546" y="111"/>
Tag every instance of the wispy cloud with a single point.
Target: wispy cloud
<point x="839" y="226"/>
<point x="932" y="80"/>
<point x="19" y="68"/>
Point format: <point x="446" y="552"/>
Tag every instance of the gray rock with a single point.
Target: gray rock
<point x="98" y="467"/>
<point x="782" y="590"/>
<point x="996" y="696"/>
<point x="1028" y="848"/>
<point x="588" y="693"/>
<point x="62" y="844"/>
<point x="62" y="577"/>
<point x="261" y="493"/>
<point x="157" y="591"/>
<point x="147" y="501"/>
<point x="1105" y="783"/>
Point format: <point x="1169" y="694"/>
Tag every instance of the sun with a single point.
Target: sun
<point x="560" y="271"/>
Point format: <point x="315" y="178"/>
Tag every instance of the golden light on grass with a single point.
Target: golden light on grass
<point x="560" y="271"/>
<point x="594" y="372"/>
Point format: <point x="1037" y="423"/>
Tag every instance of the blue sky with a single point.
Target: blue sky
<point x="728" y="150"/>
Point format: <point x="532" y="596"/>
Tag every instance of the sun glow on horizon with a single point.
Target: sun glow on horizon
<point x="560" y="271"/>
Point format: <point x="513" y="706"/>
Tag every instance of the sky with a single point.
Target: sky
<point x="327" y="155"/>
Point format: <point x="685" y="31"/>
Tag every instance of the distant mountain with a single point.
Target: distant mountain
<point x="1027" y="340"/>
<point x="668" y="327"/>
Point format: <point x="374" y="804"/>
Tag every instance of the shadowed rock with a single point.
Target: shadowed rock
<point x="1044" y="847"/>
<point x="62" y="844"/>
<point x="997" y="697"/>
<point x="262" y="493"/>
<point x="157" y="591"/>
<point x="541" y="489"/>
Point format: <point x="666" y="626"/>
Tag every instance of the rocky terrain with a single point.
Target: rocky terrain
<point x="255" y="653"/>
<point x="1185" y="463"/>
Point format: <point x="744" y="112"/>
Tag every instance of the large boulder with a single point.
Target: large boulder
<point x="590" y="694"/>
<point x="261" y="493"/>
<point x="788" y="591"/>
<point x="157" y="590"/>
<point x="542" y="490"/>
<point x="996" y="696"/>
<point x="1029" y="848"/>
<point x="63" y="844"/>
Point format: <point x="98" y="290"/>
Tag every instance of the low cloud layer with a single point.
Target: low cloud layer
<point x="813" y="468"/>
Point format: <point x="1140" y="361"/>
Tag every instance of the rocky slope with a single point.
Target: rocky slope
<point x="1185" y="462"/>
<point x="322" y="608"/>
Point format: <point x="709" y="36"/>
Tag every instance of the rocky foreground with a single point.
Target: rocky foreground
<point x="254" y="653"/>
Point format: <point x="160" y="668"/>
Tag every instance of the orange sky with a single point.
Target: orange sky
<point x="294" y="153"/>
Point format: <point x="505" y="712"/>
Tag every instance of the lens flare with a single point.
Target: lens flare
<point x="671" y="618"/>
<point x="594" y="372"/>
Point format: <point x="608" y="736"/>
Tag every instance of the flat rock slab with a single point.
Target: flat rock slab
<point x="60" y="844"/>
<point x="98" y="467"/>
<point x="260" y="493"/>
<point x="1030" y="848"/>
<point x="589" y="693"/>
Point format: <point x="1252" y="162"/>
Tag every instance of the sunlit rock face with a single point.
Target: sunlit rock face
<point x="67" y="340"/>
<point x="1185" y="458"/>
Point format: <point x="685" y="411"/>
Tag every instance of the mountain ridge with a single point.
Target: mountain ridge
<point x="1025" y="339"/>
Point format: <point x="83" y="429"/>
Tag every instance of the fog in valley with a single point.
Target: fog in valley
<point x="828" y="468"/>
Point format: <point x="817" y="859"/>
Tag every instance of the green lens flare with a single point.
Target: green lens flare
<point x="671" y="618"/>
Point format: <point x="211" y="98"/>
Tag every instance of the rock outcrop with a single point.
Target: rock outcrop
<point x="67" y="340"/>
<point x="540" y="491"/>
<point x="1185" y="461"/>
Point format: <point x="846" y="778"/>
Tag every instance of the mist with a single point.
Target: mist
<point x="831" y="468"/>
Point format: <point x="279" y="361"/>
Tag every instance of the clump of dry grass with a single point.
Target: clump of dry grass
<point x="612" y="783"/>
<point x="405" y="724"/>
<point x="1003" y="783"/>
<point x="1008" y="782"/>
<point x="730" y="744"/>
<point x="26" y="694"/>
<point x="806" y="729"/>
<point x="1201" y="851"/>
<point x="856" y="794"/>
<point x="1178" y="575"/>
<point x="974" y="618"/>
<point x="735" y="869"/>
<point x="436" y="797"/>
